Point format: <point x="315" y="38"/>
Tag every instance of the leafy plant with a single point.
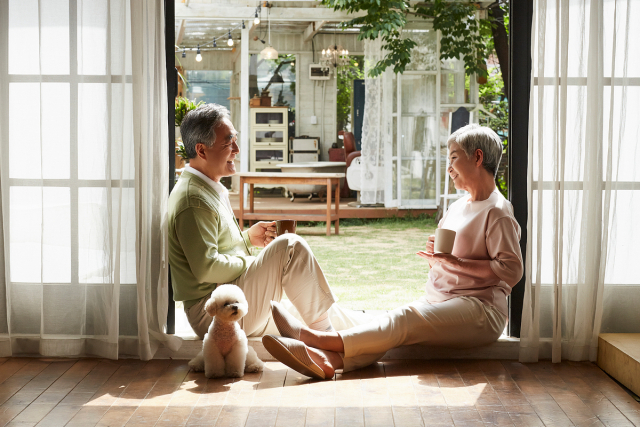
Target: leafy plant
<point x="183" y="106"/>
<point x="345" y="87"/>
<point x="456" y="21"/>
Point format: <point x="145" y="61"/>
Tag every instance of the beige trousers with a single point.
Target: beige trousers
<point x="461" y="322"/>
<point x="285" y="265"/>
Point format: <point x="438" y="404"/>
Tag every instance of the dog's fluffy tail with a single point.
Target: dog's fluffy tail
<point x="197" y="363"/>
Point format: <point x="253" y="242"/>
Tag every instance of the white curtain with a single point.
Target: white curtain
<point x="84" y="178"/>
<point x="583" y="178"/>
<point x="376" y="126"/>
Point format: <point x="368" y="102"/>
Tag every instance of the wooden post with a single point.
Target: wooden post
<point x="337" y="202"/>
<point x="251" y="222"/>
<point x="328" y="206"/>
<point x="241" y="194"/>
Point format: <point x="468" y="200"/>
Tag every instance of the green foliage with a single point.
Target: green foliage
<point x="461" y="35"/>
<point x="457" y="22"/>
<point x="183" y="106"/>
<point x="492" y="98"/>
<point x="180" y="151"/>
<point x="384" y="19"/>
<point x="345" y="88"/>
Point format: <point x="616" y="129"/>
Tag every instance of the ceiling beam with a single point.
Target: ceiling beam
<point x="312" y="30"/>
<point x="180" y="34"/>
<point x="217" y="12"/>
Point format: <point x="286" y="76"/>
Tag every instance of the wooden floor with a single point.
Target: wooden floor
<point x="90" y="392"/>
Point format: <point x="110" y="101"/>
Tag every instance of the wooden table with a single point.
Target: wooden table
<point x="327" y="179"/>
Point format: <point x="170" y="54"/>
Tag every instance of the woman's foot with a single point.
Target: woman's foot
<point x="330" y="341"/>
<point x="328" y="361"/>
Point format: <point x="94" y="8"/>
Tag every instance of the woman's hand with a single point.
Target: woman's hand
<point x="434" y="258"/>
<point x="262" y="233"/>
<point x="428" y="254"/>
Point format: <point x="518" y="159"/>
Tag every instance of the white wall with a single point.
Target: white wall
<point x="211" y="60"/>
<point x="289" y="43"/>
<point x="305" y="107"/>
<point x="293" y="43"/>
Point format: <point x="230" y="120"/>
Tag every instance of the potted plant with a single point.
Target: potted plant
<point x="183" y="106"/>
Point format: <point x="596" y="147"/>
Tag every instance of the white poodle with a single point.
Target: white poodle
<point x="225" y="350"/>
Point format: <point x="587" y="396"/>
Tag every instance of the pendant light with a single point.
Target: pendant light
<point x="269" y="52"/>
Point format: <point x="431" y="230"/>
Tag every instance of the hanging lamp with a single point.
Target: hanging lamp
<point x="269" y="52"/>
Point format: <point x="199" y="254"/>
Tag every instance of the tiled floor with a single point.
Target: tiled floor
<point x="90" y="392"/>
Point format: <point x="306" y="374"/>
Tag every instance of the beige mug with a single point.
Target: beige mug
<point x="444" y="241"/>
<point x="284" y="226"/>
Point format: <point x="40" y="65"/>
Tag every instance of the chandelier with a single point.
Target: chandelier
<point x="335" y="57"/>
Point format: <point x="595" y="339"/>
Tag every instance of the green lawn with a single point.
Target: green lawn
<point x="373" y="264"/>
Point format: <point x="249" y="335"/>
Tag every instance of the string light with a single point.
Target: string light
<point x="230" y="41"/>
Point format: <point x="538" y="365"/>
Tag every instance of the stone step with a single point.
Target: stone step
<point x="619" y="356"/>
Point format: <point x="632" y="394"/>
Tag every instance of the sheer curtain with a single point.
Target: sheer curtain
<point x="84" y="178"/>
<point x="584" y="183"/>
<point x="376" y="126"/>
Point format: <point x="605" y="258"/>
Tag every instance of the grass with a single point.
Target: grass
<point x="372" y="264"/>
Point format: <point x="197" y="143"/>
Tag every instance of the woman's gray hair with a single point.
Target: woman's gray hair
<point x="473" y="137"/>
<point x="198" y="126"/>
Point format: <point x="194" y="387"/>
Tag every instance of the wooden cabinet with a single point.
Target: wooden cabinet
<point x="269" y="139"/>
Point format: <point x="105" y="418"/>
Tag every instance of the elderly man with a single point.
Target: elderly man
<point x="465" y="303"/>
<point x="207" y="247"/>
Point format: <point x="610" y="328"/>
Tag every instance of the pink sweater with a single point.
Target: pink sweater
<point x="485" y="230"/>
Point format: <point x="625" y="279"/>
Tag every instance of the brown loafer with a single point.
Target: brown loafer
<point x="293" y="353"/>
<point x="287" y="325"/>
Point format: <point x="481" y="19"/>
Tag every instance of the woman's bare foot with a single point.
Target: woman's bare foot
<point x="328" y="361"/>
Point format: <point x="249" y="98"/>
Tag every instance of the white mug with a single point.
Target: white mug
<point x="444" y="241"/>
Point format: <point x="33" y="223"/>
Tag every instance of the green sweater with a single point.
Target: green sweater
<point x="206" y="246"/>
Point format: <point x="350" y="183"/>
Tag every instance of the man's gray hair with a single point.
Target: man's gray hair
<point x="198" y="126"/>
<point x="473" y="137"/>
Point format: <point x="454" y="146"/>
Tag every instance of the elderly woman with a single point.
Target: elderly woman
<point x="465" y="304"/>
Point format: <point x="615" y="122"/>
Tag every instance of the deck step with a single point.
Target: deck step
<point x="619" y="356"/>
<point x="505" y="348"/>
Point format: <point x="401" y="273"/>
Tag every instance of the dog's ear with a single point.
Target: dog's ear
<point x="210" y="307"/>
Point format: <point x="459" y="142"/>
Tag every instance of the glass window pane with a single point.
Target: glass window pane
<point x="24" y="130"/>
<point x="418" y="94"/>
<point x="55" y="130"/>
<point x="209" y="86"/>
<point x="92" y="132"/>
<point x="278" y="76"/>
<point x="54" y="21"/>
<point x="25" y="217"/>
<point x="423" y="55"/>
<point x="24" y="37"/>
<point x="56" y="239"/>
<point x="93" y="21"/>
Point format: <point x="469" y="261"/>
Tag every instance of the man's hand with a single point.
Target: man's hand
<point x="262" y="233"/>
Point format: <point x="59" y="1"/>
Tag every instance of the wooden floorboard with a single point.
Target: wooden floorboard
<point x="97" y="392"/>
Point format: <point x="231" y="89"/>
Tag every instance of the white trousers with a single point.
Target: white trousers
<point x="285" y="265"/>
<point x="459" y="322"/>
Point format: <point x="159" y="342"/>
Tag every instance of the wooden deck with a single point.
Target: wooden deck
<point x="90" y="392"/>
<point x="316" y="206"/>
